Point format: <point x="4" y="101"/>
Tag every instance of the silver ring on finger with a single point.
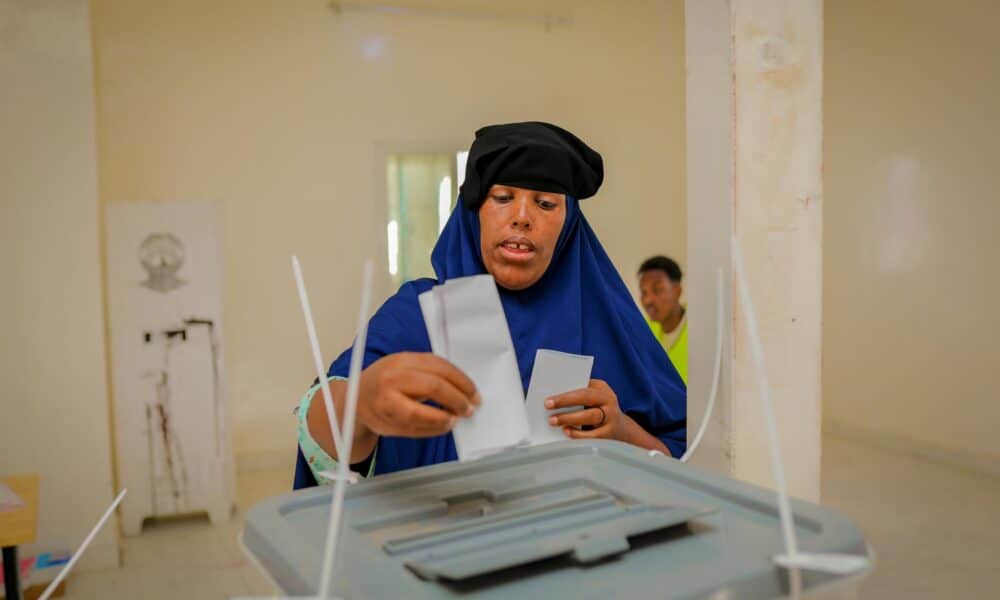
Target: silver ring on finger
<point x="604" y="416"/>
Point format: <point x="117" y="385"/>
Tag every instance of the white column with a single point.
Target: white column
<point x="754" y="134"/>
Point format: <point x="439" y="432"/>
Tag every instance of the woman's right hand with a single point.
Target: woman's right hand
<point x="395" y="388"/>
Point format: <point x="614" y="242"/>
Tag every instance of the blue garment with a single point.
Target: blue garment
<point x="303" y="475"/>
<point x="581" y="305"/>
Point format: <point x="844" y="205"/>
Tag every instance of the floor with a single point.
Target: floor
<point x="186" y="558"/>
<point x="935" y="531"/>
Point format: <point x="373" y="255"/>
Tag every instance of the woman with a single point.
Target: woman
<point x="519" y="220"/>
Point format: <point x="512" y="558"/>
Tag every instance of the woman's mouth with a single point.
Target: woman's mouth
<point x="517" y="249"/>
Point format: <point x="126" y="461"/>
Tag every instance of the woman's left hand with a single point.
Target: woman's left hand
<point x="600" y="411"/>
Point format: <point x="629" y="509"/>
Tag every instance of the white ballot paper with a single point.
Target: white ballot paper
<point x="466" y="325"/>
<point x="554" y="373"/>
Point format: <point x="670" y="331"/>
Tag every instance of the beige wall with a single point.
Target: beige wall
<point x="911" y="276"/>
<point x="54" y="404"/>
<point x="754" y="120"/>
<point x="279" y="110"/>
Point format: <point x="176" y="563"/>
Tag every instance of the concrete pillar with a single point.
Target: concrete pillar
<point x="754" y="167"/>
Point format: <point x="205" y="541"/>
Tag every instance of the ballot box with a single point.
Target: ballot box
<point x="573" y="519"/>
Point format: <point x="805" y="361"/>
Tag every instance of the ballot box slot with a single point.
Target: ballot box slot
<point x="453" y="511"/>
<point x="590" y="534"/>
<point x="535" y="516"/>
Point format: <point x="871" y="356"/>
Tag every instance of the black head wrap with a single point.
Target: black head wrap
<point x="534" y="155"/>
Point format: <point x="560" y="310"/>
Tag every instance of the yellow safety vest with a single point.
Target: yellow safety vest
<point x="678" y="352"/>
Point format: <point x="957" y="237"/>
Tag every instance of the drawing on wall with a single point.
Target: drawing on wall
<point x="162" y="255"/>
<point x="165" y="288"/>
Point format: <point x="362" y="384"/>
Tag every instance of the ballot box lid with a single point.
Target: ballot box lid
<point x="579" y="519"/>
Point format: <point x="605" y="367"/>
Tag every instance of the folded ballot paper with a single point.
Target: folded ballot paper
<point x="554" y="373"/>
<point x="466" y="325"/>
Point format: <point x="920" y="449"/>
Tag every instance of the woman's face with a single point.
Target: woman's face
<point x="519" y="229"/>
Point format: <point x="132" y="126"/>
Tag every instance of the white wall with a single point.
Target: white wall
<point x="710" y="165"/>
<point x="54" y="405"/>
<point x="911" y="258"/>
<point x="279" y="110"/>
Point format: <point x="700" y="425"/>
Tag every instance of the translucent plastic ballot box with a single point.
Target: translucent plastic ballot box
<point x="574" y="519"/>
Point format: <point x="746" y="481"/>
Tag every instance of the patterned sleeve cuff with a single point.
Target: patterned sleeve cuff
<point x="319" y="461"/>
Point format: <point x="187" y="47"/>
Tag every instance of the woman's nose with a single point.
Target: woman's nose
<point x="523" y="216"/>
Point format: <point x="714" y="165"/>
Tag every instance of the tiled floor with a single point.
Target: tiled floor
<point x="188" y="558"/>
<point x="935" y="529"/>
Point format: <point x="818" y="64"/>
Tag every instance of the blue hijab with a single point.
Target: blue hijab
<point x="580" y="305"/>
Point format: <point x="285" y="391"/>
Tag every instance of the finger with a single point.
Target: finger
<point x="589" y="416"/>
<point x="422" y="385"/>
<point x="599" y="384"/>
<point x="600" y="432"/>
<point x="421" y="431"/>
<point x="414" y="430"/>
<point x="580" y="397"/>
<point x="436" y="365"/>
<point x="409" y="430"/>
<point x="401" y="414"/>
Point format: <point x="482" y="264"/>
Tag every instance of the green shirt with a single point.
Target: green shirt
<point x="675" y="343"/>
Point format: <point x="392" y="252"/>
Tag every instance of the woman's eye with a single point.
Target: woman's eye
<point x="547" y="204"/>
<point x="502" y="198"/>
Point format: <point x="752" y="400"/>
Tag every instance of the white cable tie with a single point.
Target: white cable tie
<point x="352" y="476"/>
<point x="350" y="414"/>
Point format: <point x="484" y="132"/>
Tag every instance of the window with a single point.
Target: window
<point x="422" y="189"/>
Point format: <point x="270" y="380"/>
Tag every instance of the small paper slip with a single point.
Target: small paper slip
<point x="554" y="373"/>
<point x="8" y="499"/>
<point x="466" y="325"/>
